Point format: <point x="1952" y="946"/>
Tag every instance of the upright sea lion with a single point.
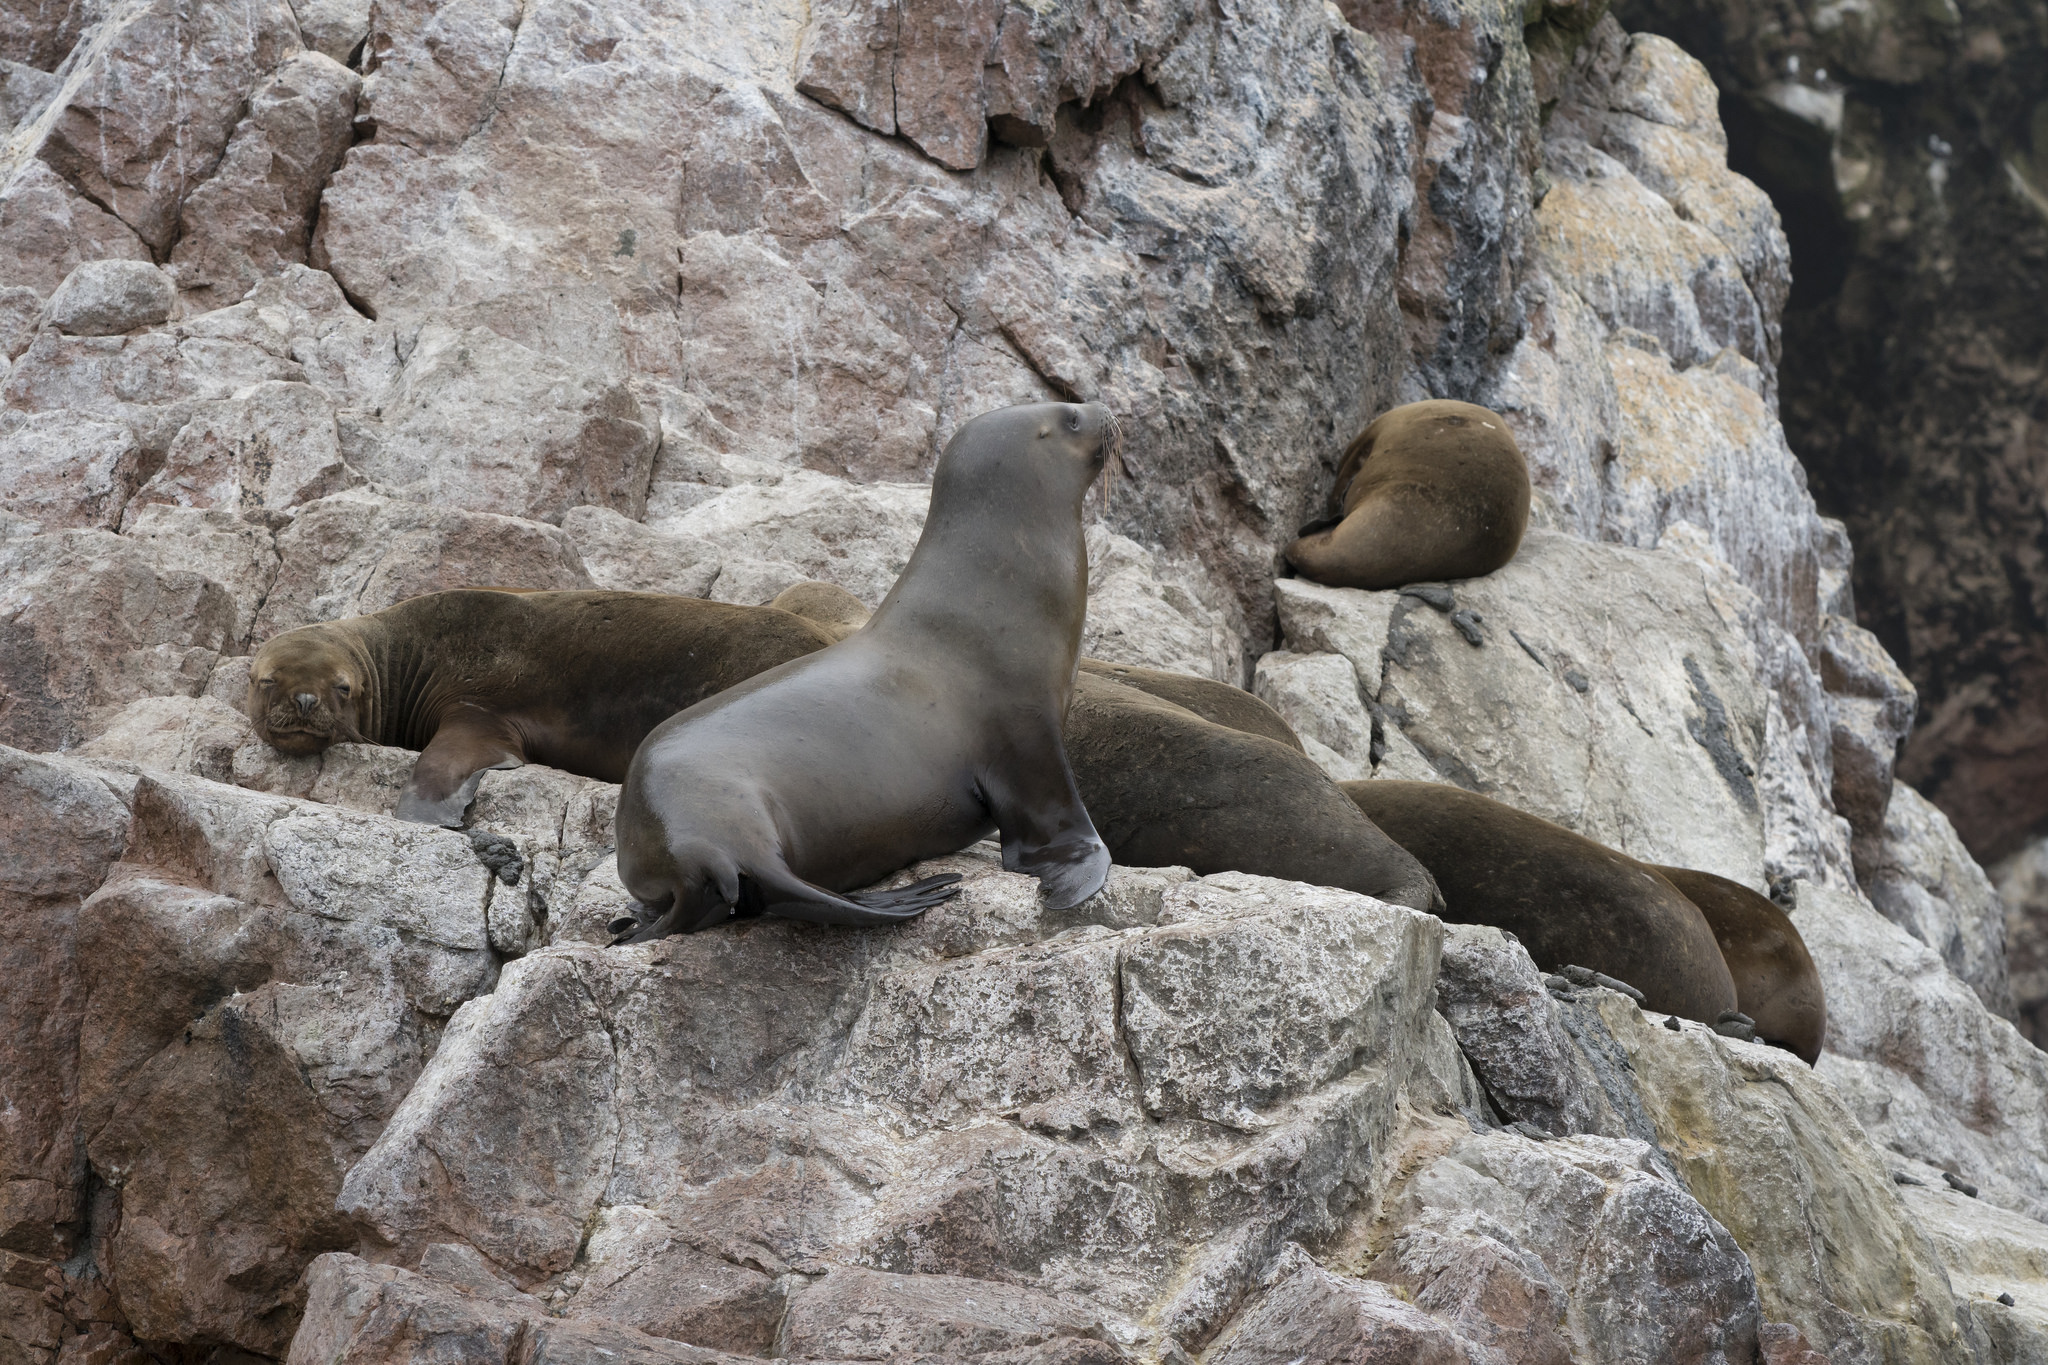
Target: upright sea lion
<point x="1168" y="787"/>
<point x="1429" y="491"/>
<point x="914" y="736"/>
<point x="1184" y="771"/>
<point x="1776" y="983"/>
<point x="479" y="679"/>
<point x="1569" y="899"/>
<point x="839" y="611"/>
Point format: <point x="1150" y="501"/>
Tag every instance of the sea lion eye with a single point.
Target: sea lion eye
<point x="266" y="683"/>
<point x="341" y="689"/>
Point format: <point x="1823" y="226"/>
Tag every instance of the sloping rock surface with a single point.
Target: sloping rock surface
<point x="307" y="308"/>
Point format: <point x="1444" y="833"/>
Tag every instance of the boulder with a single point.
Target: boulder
<point x="1779" y="1158"/>
<point x="1309" y="1313"/>
<point x="106" y="298"/>
<point x="1006" y="1047"/>
<point x="144" y="118"/>
<point x="478" y="421"/>
<point x="355" y="552"/>
<point x="48" y="229"/>
<point x="1523" y="690"/>
<point x="65" y="469"/>
<point x="1575" y="1248"/>
<point x="1997" y="1263"/>
<point x="1929" y="1072"/>
<point x="2022" y="881"/>
<point x="271" y="447"/>
<point x="90" y="621"/>
<point x="1922" y="879"/>
<point x="255" y="213"/>
<point x="1873" y="706"/>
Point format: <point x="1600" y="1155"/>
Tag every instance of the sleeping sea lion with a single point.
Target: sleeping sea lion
<point x="1168" y="787"/>
<point x="916" y="735"/>
<point x="479" y="679"/>
<point x="1569" y="899"/>
<point x="1776" y="983"/>
<point x="1430" y="491"/>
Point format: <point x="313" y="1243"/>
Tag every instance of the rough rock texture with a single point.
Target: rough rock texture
<point x="2023" y="889"/>
<point x="1905" y="147"/>
<point x="686" y="297"/>
<point x="1930" y="1072"/>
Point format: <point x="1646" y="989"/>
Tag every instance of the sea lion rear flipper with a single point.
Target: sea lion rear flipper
<point x="469" y="742"/>
<point x="1046" y="831"/>
<point x="784" y="894"/>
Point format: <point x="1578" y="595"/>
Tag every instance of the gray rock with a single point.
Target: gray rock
<point x="67" y="672"/>
<point x="1671" y="726"/>
<point x="1307" y="1313"/>
<point x="1929" y="1072"/>
<point x="2022" y="881"/>
<point x="106" y="298"/>
<point x="355" y="552"/>
<point x="254" y="214"/>
<point x="65" y="469"/>
<point x="1497" y="1232"/>
<point x="1873" y="706"/>
<point x="1922" y="879"/>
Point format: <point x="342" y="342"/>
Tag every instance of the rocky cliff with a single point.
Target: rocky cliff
<point x="1907" y="146"/>
<point x="310" y="307"/>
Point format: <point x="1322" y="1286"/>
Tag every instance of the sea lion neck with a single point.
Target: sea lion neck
<point x="986" y="566"/>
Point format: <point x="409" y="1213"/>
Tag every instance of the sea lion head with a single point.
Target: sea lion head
<point x="1034" y="455"/>
<point x="307" y="690"/>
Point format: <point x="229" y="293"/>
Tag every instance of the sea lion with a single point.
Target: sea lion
<point x="479" y="678"/>
<point x="1180" y="771"/>
<point x="1776" y="983"/>
<point x="1168" y="787"/>
<point x="1213" y="701"/>
<point x="914" y="736"/>
<point x="1430" y="491"/>
<point x="1569" y="899"/>
<point x="838" y="610"/>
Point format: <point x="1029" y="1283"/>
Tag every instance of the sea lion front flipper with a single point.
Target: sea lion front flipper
<point x="469" y="743"/>
<point x="1045" y="829"/>
<point x="782" y="893"/>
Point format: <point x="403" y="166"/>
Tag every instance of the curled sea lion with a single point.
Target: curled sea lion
<point x="1430" y="491"/>
<point x="1776" y="983"/>
<point x="1569" y="899"/>
<point x="478" y="679"/>
<point x="914" y="736"/>
<point x="1168" y="787"/>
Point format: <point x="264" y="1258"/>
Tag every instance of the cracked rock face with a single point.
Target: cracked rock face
<point x="309" y="308"/>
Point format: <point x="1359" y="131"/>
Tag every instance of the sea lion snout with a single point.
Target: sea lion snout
<point x="307" y="701"/>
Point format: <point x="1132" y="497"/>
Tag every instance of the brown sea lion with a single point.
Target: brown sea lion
<point x="916" y="735"/>
<point x="1213" y="701"/>
<point x="479" y="679"/>
<point x="1168" y="787"/>
<point x="1776" y="983"/>
<point x="1430" y="491"/>
<point x="1569" y="899"/>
